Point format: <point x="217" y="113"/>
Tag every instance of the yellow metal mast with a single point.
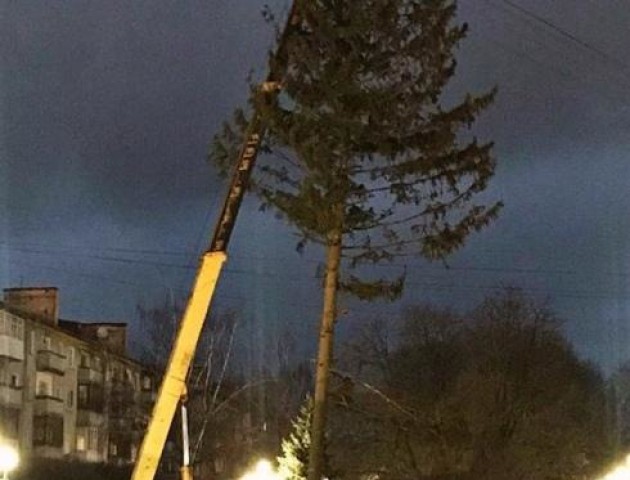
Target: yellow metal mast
<point x="173" y="386"/>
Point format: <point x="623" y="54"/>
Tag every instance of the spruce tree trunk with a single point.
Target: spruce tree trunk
<point x="324" y="358"/>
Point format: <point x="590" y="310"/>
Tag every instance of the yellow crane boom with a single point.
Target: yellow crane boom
<point x="173" y="386"/>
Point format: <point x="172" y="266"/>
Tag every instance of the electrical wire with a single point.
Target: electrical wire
<point x="565" y="34"/>
<point x="566" y="293"/>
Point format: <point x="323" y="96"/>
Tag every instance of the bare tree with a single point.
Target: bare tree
<point x="497" y="393"/>
<point x="213" y="384"/>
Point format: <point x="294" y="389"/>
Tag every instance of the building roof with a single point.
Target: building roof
<point x="75" y="326"/>
<point x="72" y="331"/>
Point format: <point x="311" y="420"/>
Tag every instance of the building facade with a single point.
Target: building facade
<point x="68" y="389"/>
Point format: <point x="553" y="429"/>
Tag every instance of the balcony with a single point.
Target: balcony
<point x="11" y="348"/>
<point x="10" y="395"/>
<point x="46" y="451"/>
<point x="87" y="418"/>
<point x="91" y="398"/>
<point x="90" y="456"/>
<point x="49" y="361"/>
<point x="48" y="405"/>
<point x="90" y="375"/>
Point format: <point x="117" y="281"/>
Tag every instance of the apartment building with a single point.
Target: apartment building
<point x="68" y="389"/>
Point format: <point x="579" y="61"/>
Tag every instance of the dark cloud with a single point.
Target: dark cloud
<point x="109" y="107"/>
<point x="113" y="105"/>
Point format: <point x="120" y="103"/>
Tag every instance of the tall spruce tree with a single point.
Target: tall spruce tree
<point x="368" y="159"/>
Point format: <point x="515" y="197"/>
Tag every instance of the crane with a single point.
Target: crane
<point x="173" y="387"/>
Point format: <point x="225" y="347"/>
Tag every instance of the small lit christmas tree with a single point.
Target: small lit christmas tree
<point x="293" y="464"/>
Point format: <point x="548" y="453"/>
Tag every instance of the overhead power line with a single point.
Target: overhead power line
<point x="561" y="69"/>
<point x="429" y="286"/>
<point x="565" y="33"/>
<point x="189" y="267"/>
<point x="434" y="283"/>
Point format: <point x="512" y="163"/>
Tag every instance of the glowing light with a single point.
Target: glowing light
<point x="621" y="472"/>
<point x="9" y="458"/>
<point x="262" y="471"/>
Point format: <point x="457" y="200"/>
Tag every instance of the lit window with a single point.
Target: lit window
<point x="81" y="441"/>
<point x="43" y="388"/>
<point x="134" y="453"/>
<point x="48" y="430"/>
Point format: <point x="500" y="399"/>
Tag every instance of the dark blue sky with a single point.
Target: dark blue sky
<point x="108" y="109"/>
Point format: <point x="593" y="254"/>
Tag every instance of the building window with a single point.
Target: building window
<point x="15" y="380"/>
<point x="71" y="356"/>
<point x="93" y="438"/>
<point x="134" y="453"/>
<point x="43" y="384"/>
<point x="83" y="395"/>
<point x="47" y="343"/>
<point x="71" y="398"/>
<point x="43" y="389"/>
<point x="113" y="449"/>
<point x="91" y="397"/>
<point x="85" y="360"/>
<point x="81" y="440"/>
<point x="15" y="328"/>
<point x="9" y="422"/>
<point x="48" y="431"/>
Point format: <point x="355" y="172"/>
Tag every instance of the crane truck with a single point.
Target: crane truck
<point x="172" y="390"/>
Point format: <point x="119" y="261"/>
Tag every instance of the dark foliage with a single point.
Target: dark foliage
<point x="362" y="141"/>
<point x="41" y="469"/>
<point x="496" y="394"/>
